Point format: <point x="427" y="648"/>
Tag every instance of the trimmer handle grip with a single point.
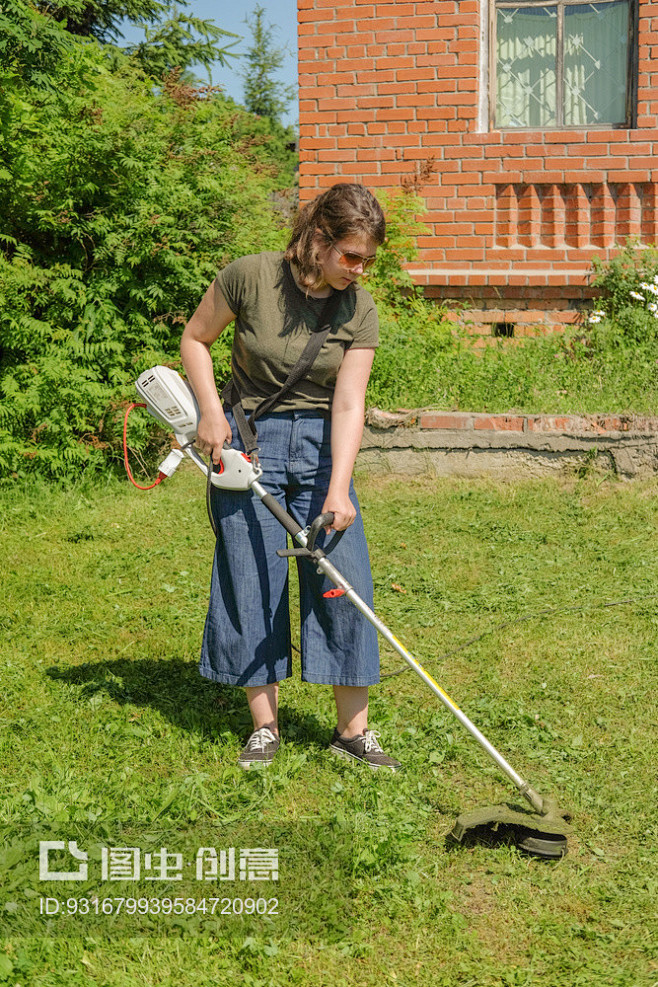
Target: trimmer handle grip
<point x="320" y="522"/>
<point x="310" y="551"/>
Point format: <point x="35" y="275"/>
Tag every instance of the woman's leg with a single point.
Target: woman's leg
<point x="264" y="741"/>
<point x="351" y="738"/>
<point x="352" y="708"/>
<point x="246" y="639"/>
<point x="264" y="703"/>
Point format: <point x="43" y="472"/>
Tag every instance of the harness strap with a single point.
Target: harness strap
<point x="231" y="395"/>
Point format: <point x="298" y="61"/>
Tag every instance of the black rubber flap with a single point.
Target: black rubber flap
<point x="546" y="845"/>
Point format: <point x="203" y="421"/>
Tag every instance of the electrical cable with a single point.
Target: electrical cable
<point x="549" y="612"/>
<point x="161" y="476"/>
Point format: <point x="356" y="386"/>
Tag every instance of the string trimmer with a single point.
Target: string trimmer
<point x="541" y="830"/>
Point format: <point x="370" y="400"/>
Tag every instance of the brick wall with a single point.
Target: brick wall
<point x="515" y="216"/>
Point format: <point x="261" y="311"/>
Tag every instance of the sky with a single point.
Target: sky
<point x="230" y="16"/>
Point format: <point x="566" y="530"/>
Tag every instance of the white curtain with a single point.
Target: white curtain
<point x="525" y="67"/>
<point x="595" y="63"/>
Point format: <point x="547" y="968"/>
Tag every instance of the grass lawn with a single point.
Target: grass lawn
<point x="112" y="739"/>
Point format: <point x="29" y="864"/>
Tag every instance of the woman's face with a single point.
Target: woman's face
<point x="346" y="260"/>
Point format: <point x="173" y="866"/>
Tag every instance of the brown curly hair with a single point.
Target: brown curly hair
<point x="343" y="210"/>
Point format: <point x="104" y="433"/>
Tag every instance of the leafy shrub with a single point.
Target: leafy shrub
<point x="634" y="266"/>
<point x="119" y="201"/>
<point x="628" y="309"/>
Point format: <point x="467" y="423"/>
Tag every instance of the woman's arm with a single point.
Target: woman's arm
<point x="347" y="416"/>
<point x="210" y="319"/>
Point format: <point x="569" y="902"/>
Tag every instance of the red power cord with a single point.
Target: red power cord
<point x="161" y="476"/>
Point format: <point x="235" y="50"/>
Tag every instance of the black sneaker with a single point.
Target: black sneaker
<point x="365" y="749"/>
<point x="260" y="749"/>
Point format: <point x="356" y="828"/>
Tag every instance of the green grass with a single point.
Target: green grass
<point x="111" y="737"/>
<point x="424" y="364"/>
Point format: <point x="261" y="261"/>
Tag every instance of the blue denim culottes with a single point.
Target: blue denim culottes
<point x="246" y="639"/>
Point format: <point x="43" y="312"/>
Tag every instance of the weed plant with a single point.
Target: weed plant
<point x="111" y="738"/>
<point x="577" y="372"/>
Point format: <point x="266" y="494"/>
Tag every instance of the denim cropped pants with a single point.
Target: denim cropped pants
<point x="246" y="639"/>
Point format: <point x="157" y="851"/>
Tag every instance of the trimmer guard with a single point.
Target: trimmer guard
<point x="553" y="822"/>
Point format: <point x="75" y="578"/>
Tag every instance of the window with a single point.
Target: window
<point x="561" y="64"/>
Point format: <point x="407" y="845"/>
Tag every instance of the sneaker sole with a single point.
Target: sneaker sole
<point x="351" y="757"/>
<point x="245" y="765"/>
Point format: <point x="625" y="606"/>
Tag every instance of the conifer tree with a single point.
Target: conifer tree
<point x="174" y="40"/>
<point x="264" y="94"/>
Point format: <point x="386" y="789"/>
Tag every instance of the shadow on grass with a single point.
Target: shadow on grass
<point x="177" y="691"/>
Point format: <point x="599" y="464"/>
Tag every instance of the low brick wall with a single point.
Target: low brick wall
<point x="507" y="445"/>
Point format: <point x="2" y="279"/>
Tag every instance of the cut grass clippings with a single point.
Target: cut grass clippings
<point x="112" y="739"/>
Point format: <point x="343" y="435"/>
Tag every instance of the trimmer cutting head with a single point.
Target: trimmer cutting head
<point x="542" y="834"/>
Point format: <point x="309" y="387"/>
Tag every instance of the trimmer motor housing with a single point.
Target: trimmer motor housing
<point x="171" y="400"/>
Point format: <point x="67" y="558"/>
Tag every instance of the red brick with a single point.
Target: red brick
<point x="629" y="176"/>
<point x="450" y="419"/>
<point x="498" y="423"/>
<point x="393" y="64"/>
<point x="311" y="14"/>
<point x="547" y="423"/>
<point x="349" y="12"/>
<point x="417" y="74"/>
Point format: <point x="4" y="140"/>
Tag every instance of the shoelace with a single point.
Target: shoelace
<point x="371" y="742"/>
<point x="260" y="739"/>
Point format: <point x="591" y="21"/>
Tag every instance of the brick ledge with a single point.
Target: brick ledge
<point x="586" y="425"/>
<point x="513" y="275"/>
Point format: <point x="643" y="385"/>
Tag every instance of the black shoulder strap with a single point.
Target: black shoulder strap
<point x="230" y="394"/>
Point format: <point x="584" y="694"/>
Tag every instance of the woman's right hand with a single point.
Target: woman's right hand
<point x="213" y="431"/>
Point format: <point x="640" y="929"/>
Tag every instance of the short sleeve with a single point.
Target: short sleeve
<point x="235" y="279"/>
<point x="366" y="332"/>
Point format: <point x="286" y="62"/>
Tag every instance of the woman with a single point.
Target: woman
<point x="308" y="445"/>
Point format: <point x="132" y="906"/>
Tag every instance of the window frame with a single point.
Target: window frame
<point x="631" y="66"/>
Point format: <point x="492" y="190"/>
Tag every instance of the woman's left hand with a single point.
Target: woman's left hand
<point x="342" y="508"/>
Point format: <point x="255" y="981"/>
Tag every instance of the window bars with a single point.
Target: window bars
<point x="561" y="64"/>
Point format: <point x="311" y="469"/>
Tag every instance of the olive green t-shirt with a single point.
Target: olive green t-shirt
<point x="273" y="321"/>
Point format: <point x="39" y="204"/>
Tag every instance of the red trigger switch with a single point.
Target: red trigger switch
<point x="333" y="593"/>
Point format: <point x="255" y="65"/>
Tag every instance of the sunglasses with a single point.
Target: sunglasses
<point x="351" y="260"/>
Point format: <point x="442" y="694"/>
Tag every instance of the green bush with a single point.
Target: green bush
<point x="119" y="201"/>
<point x="628" y="309"/>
